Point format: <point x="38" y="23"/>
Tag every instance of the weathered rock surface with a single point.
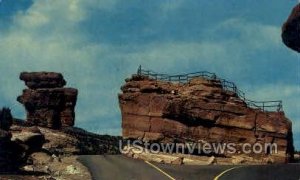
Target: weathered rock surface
<point x="51" y="168"/>
<point x="35" y="80"/>
<point x="47" y="103"/>
<point x="177" y="159"/>
<point x="187" y="159"/>
<point x="164" y="112"/>
<point x="291" y="30"/>
<point x="30" y="138"/>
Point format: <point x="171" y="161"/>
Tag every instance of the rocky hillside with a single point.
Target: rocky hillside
<point x="65" y="141"/>
<point x="43" y="151"/>
<point x="199" y="109"/>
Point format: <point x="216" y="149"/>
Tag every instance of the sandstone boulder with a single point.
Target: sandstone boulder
<point x="290" y="30"/>
<point x="33" y="141"/>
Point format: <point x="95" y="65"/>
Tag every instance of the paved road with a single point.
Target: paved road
<point x="274" y="172"/>
<point x="120" y="167"/>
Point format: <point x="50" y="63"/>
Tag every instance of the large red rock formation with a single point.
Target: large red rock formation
<point x="200" y="110"/>
<point x="47" y="103"/>
<point x="291" y="30"/>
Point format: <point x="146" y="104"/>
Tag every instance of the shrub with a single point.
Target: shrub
<point x="6" y="119"/>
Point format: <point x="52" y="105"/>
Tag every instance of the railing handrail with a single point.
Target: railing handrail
<point x="227" y="85"/>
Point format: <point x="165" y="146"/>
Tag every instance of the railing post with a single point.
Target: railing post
<point x="139" y="72"/>
<point x="279" y="106"/>
<point x="214" y="76"/>
<point x="234" y="89"/>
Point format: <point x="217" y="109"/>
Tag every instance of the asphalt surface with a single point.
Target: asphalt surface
<point x="263" y="172"/>
<point x="119" y="167"/>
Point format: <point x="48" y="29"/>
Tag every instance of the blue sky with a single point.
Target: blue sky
<point x="96" y="44"/>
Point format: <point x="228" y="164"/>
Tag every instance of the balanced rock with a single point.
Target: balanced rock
<point x="291" y="30"/>
<point x="199" y="110"/>
<point x="47" y="103"/>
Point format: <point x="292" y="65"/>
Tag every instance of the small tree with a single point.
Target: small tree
<point x="6" y="119"/>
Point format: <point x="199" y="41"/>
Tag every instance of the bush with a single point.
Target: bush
<point x="6" y="119"/>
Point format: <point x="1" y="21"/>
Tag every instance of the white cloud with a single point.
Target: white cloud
<point x="46" y="13"/>
<point x="249" y="34"/>
<point x="276" y="91"/>
<point x="171" y="5"/>
<point x="176" y="54"/>
<point x="100" y="4"/>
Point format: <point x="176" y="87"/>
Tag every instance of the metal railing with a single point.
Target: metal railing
<point x="226" y="85"/>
